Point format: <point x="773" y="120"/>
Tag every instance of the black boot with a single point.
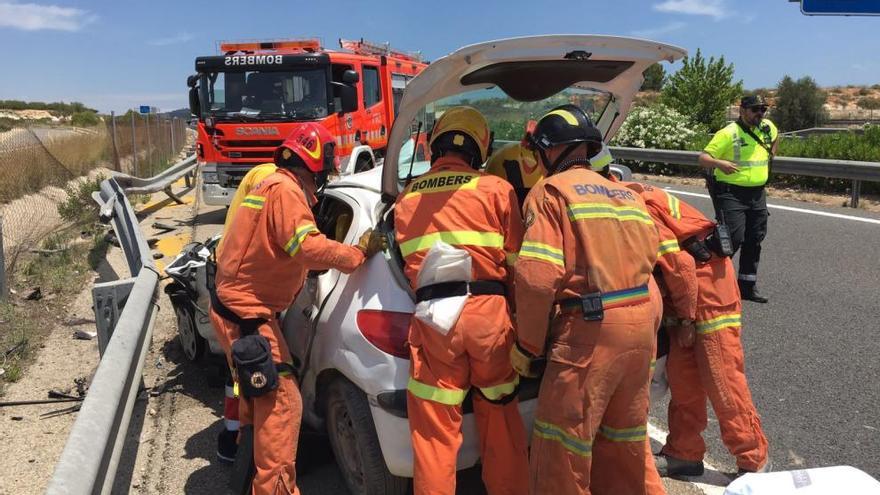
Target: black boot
<point x="227" y="446"/>
<point x="751" y="293"/>
<point x="672" y="467"/>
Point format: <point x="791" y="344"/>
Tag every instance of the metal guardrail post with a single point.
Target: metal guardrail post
<point x="2" y="264"/>
<point x="854" y="194"/>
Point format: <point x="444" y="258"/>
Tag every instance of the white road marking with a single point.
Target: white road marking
<point x="712" y="482"/>
<point x="790" y="208"/>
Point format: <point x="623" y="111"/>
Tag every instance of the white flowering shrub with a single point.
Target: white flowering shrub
<point x="659" y="127"/>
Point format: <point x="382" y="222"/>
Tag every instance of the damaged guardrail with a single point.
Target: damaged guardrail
<point x="162" y="182"/>
<point x="855" y="171"/>
<point x="124" y="310"/>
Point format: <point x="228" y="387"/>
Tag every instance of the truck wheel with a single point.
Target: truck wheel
<point x="363" y="163"/>
<point x="192" y="343"/>
<point x="355" y="444"/>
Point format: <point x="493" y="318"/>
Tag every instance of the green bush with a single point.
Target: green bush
<point x="79" y="207"/>
<point x="84" y="119"/>
<point x="799" y="104"/>
<point x="703" y="90"/>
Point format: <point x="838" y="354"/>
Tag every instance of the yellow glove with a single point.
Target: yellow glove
<point x="371" y="242"/>
<point x="522" y="360"/>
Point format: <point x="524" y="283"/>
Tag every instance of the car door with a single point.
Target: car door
<point x="334" y="216"/>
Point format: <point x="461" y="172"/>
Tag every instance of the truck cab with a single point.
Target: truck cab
<point x="250" y="98"/>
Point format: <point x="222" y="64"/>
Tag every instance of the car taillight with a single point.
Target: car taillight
<point x="387" y="330"/>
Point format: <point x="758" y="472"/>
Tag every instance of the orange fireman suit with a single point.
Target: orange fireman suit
<point x="714" y="366"/>
<point x="270" y="247"/>
<point x="588" y="236"/>
<point x="478" y="213"/>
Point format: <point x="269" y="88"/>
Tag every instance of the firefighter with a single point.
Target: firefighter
<point x="517" y="164"/>
<point x="477" y="213"/>
<point x="270" y="246"/>
<point x="585" y="265"/>
<point x="227" y="440"/>
<point x="703" y="316"/>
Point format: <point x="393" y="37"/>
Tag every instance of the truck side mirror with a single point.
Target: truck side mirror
<point x="194" y="106"/>
<point x="350" y="77"/>
<point x="348" y="96"/>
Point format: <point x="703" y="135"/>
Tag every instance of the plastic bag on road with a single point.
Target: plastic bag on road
<point x="443" y="263"/>
<point x="818" y="481"/>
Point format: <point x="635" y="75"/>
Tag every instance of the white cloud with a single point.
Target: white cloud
<point x="711" y="8"/>
<point x="659" y="30"/>
<point x="34" y="17"/>
<point x="172" y="40"/>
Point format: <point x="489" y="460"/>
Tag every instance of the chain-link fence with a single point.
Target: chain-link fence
<point x="37" y="164"/>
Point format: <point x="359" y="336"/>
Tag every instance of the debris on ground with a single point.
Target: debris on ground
<point x="152" y="241"/>
<point x="72" y="322"/>
<point x="34" y="295"/>
<point x="84" y="335"/>
<point x="163" y="226"/>
<point x="111" y="238"/>
<point x="158" y="256"/>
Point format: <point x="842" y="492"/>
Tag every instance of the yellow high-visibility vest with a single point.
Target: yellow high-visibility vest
<point x="733" y="144"/>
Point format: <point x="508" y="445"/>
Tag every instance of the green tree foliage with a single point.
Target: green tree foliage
<point x="58" y="107"/>
<point x="799" y="104"/>
<point x="869" y="103"/>
<point x="655" y="75"/>
<point x="702" y="90"/>
<point x="84" y="119"/>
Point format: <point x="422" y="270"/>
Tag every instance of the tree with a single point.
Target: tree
<point x="870" y="103"/>
<point x="799" y="104"/>
<point x="702" y="90"/>
<point x="654" y="78"/>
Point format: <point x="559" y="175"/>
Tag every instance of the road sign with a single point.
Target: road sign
<point x="840" y="7"/>
<point x="145" y="109"/>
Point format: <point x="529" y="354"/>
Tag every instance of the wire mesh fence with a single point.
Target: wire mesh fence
<point x="37" y="163"/>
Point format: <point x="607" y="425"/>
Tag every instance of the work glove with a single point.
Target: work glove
<point x="371" y="242"/>
<point x="524" y="362"/>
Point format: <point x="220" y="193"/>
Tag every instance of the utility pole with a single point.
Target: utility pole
<point x="116" y="160"/>
<point x="134" y="153"/>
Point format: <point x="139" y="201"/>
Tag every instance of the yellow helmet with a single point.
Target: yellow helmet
<point x="462" y="129"/>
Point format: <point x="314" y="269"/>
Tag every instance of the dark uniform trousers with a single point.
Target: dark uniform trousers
<point x="744" y="210"/>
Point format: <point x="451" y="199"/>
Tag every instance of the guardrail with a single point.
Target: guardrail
<point x="855" y="171"/>
<point x="162" y="182"/>
<point x="124" y="310"/>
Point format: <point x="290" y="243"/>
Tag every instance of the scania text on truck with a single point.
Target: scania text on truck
<point x="249" y="98"/>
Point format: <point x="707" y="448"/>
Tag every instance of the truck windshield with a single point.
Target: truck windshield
<point x="299" y="94"/>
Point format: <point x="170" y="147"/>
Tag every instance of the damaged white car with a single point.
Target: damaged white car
<point x="348" y="332"/>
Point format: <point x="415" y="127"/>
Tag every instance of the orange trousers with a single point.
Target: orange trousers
<point x="475" y="353"/>
<point x="276" y="416"/>
<point x="713" y="368"/>
<point x="590" y="433"/>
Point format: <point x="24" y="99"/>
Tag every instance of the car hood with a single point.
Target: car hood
<point x="529" y="69"/>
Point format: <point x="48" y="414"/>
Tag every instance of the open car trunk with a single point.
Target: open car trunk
<point x="527" y="69"/>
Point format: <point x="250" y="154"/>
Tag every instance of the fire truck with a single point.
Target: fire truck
<point x="253" y="95"/>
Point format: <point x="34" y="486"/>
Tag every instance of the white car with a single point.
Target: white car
<point x="348" y="332"/>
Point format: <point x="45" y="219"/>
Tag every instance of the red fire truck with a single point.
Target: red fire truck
<point x="251" y="97"/>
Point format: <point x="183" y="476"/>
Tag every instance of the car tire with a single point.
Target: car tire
<point x="191" y="342"/>
<point x="355" y="444"/>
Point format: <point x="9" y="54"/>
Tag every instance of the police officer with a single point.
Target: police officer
<point x="737" y="160"/>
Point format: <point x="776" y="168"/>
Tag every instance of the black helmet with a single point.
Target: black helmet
<point x="567" y="124"/>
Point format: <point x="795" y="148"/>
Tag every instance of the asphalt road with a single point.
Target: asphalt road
<point x="810" y="358"/>
<point x="812" y="352"/>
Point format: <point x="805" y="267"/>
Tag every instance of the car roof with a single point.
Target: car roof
<point x="529" y="69"/>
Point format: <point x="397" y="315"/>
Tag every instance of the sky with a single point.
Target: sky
<point x="116" y="55"/>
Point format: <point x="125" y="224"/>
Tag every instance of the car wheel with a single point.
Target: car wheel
<point x="192" y="343"/>
<point x="355" y="444"/>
